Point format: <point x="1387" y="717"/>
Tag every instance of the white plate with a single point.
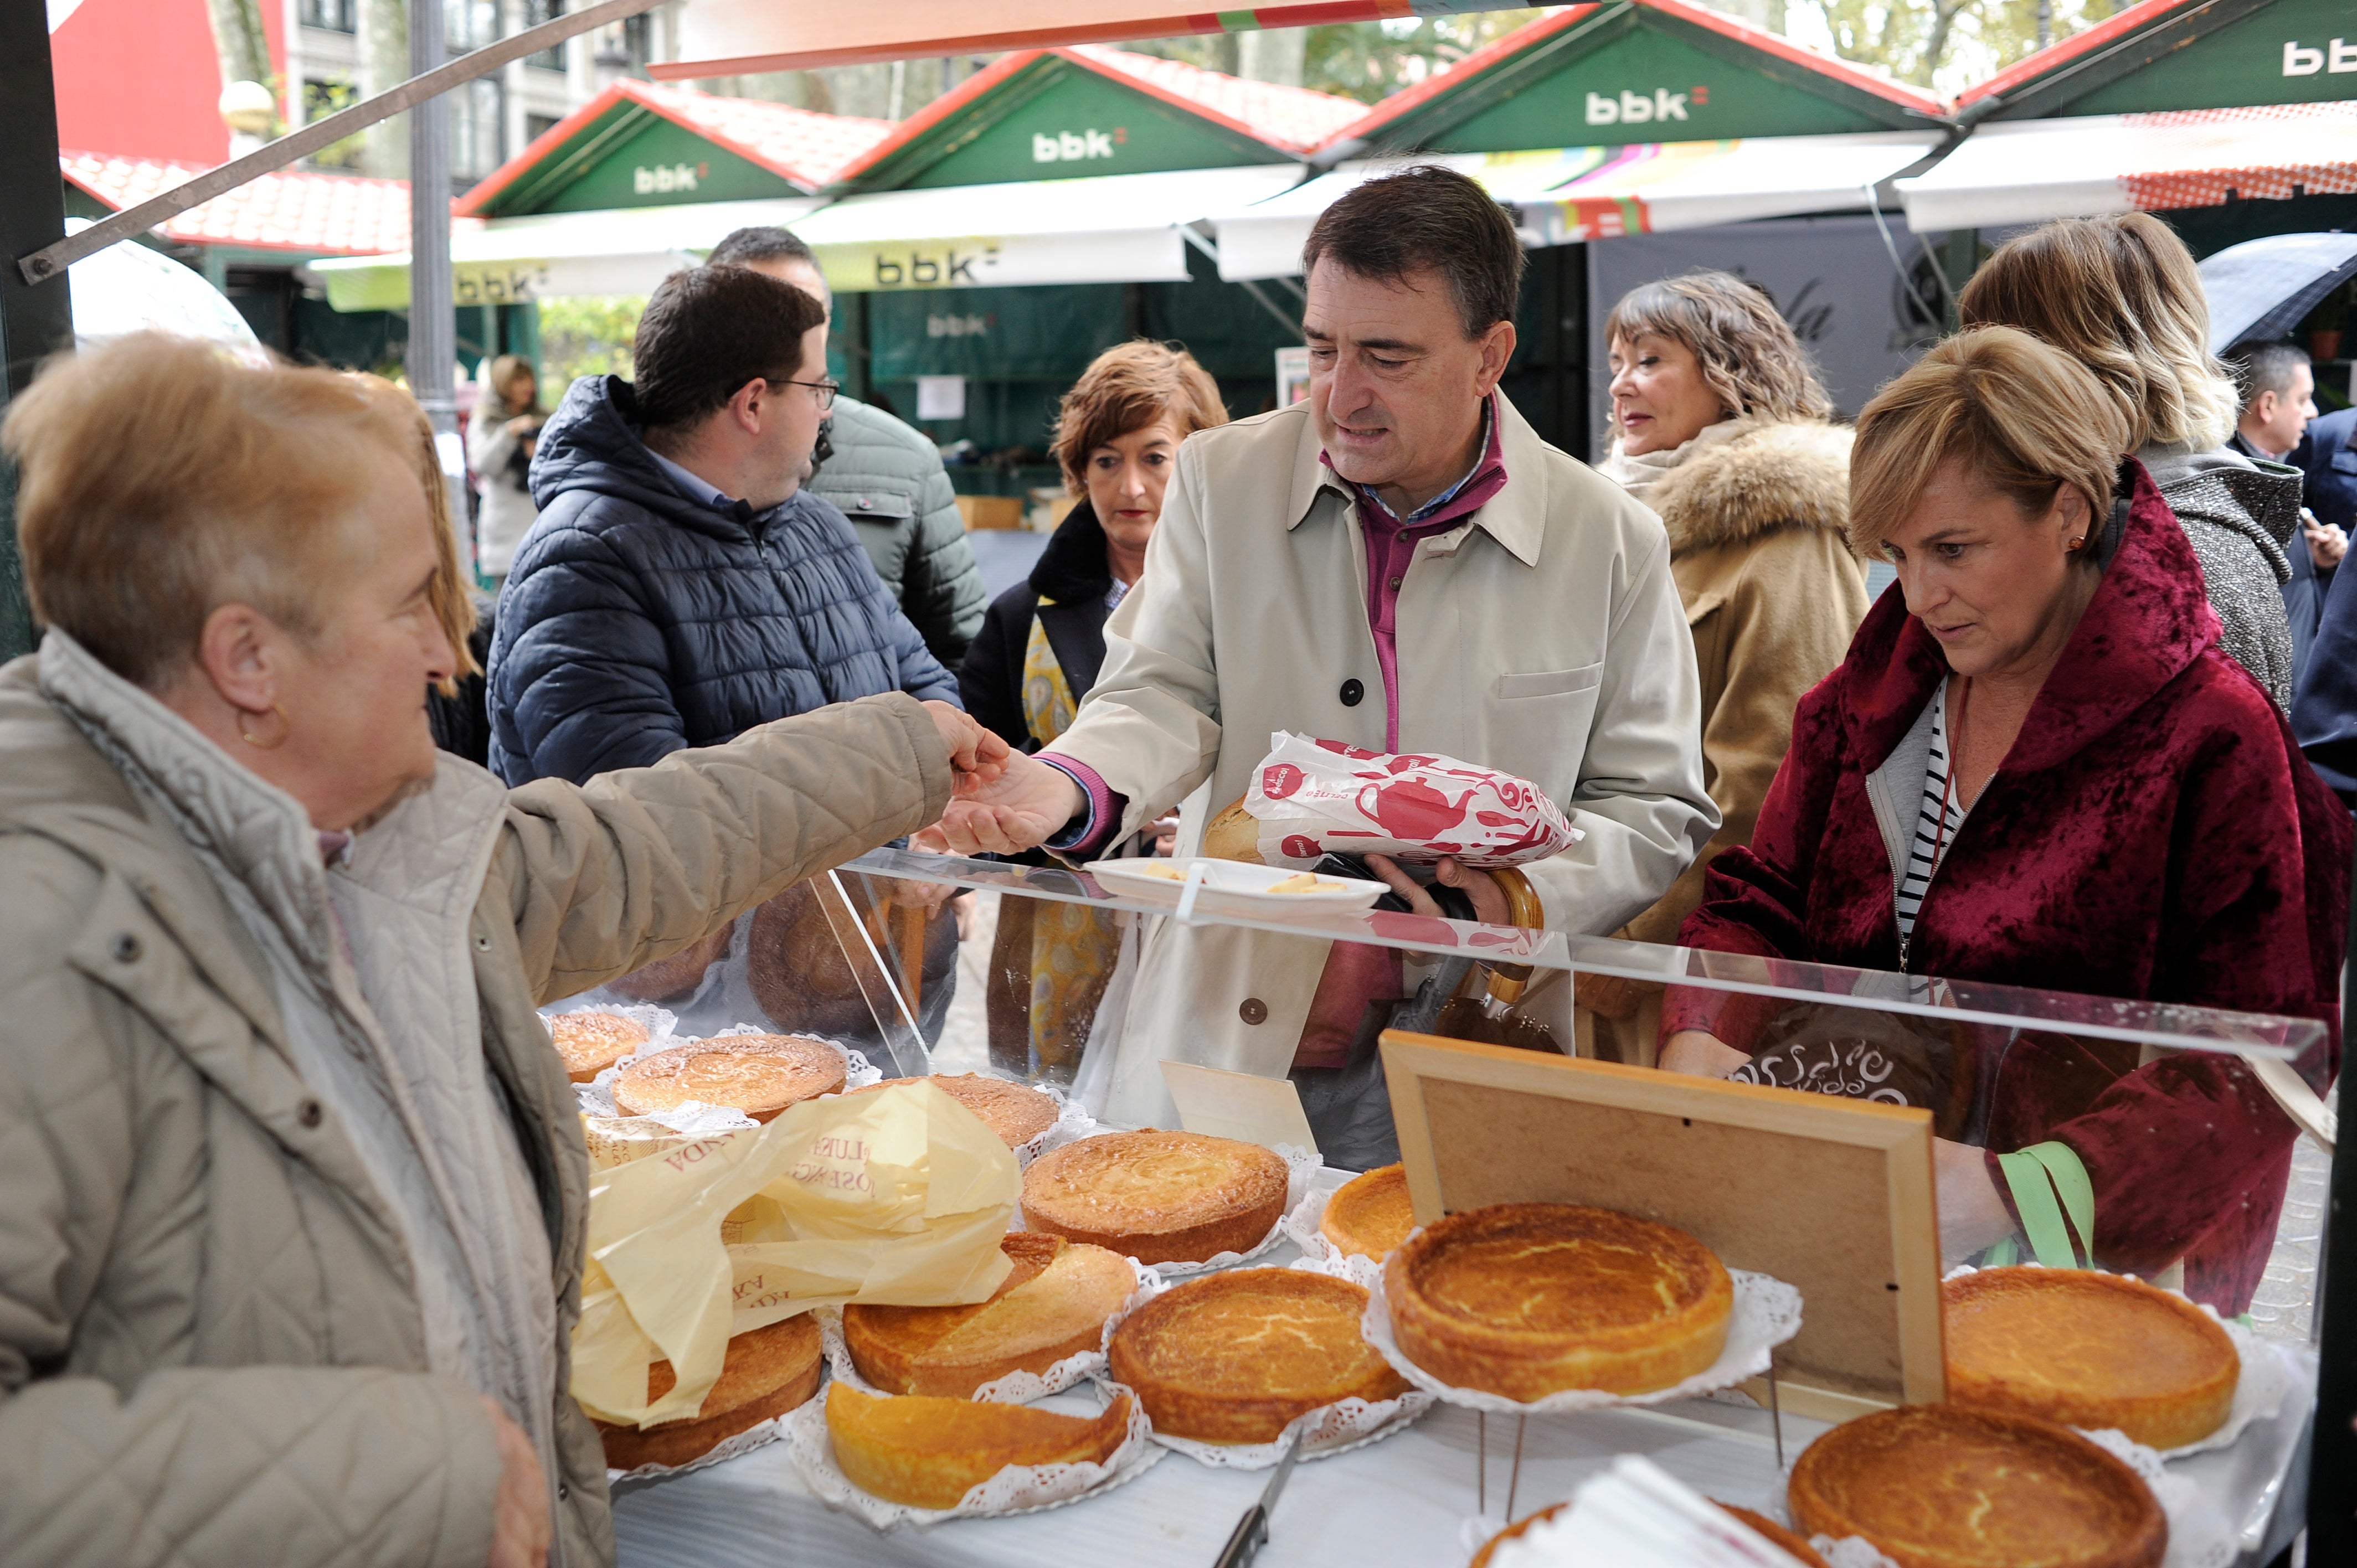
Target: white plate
<point x="1231" y="887"/>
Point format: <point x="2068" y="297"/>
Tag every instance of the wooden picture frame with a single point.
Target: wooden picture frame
<point x="1835" y="1197"/>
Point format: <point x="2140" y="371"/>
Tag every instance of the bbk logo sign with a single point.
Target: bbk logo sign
<point x="2339" y="57"/>
<point x="1638" y="109"/>
<point x="1075" y="146"/>
<point x="949" y="268"/>
<point x="665" y="177"/>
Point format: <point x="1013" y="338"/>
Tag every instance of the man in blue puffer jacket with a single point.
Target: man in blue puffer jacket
<point x="679" y="588"/>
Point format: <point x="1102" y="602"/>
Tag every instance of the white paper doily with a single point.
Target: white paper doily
<point x="2264" y="1378"/>
<point x="1071" y="1124"/>
<point x="2198" y="1535"/>
<point x="1324" y="1432"/>
<point x="1849" y="1552"/>
<point x="1301" y="1224"/>
<point x="1017" y="1488"/>
<point x="758" y="1435"/>
<point x="597" y="1097"/>
<point x="1767" y="1312"/>
<point x="1015" y="1388"/>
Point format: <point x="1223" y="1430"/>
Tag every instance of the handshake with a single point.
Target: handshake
<point x="1005" y="801"/>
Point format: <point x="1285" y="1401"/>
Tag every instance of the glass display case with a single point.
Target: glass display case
<point x="2187" y="1145"/>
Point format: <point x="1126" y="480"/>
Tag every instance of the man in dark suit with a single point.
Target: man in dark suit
<point x="2278" y="400"/>
<point x="2330" y="461"/>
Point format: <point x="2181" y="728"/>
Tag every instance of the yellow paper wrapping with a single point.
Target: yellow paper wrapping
<point x="897" y="1197"/>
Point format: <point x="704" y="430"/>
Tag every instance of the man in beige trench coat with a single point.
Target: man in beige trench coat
<point x="1399" y="563"/>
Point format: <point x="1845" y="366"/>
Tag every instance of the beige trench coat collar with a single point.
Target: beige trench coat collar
<point x="1516" y="517"/>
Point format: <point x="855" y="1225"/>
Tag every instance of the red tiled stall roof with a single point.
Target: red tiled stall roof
<point x="1294" y="119"/>
<point x="2075" y="46"/>
<point x="802" y="145"/>
<point x="315" y="214"/>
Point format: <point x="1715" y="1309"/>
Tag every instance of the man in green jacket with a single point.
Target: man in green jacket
<point x="885" y="475"/>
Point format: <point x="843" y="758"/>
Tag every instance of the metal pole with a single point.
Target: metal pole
<point x="2332" y="1451"/>
<point x="433" y="324"/>
<point x="34" y="322"/>
<point x="38" y="267"/>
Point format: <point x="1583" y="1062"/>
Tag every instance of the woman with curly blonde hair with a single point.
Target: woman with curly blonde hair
<point x="1720" y="425"/>
<point x="2121" y="296"/>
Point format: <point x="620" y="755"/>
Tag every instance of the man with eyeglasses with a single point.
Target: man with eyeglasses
<point x="885" y="474"/>
<point x="679" y="586"/>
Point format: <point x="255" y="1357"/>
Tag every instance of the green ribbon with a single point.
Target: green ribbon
<point x="2048" y="1181"/>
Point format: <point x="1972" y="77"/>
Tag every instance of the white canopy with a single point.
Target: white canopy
<point x="2027" y="171"/>
<point x="504" y="261"/>
<point x="1588" y="193"/>
<point x="1106" y="228"/>
<point x="130" y="288"/>
<point x="731" y="37"/>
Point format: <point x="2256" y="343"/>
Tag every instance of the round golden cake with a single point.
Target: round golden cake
<point x="1161" y="1197"/>
<point x="1939" y="1486"/>
<point x="1016" y="1114"/>
<point x="1053" y="1304"/>
<point x="677" y="977"/>
<point x="1232" y="1358"/>
<point x="768" y="1371"/>
<point x="592" y="1042"/>
<point x="757" y="1074"/>
<point x="2088" y="1349"/>
<point x="1529" y="1299"/>
<point x="1370" y="1215"/>
<point x="1792" y="1545"/>
<point x="928" y="1453"/>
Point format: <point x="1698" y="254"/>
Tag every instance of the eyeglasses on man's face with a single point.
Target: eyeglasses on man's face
<point x="822" y="392"/>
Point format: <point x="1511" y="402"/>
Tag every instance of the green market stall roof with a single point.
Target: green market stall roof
<point x="1091" y="110"/>
<point x="639" y="144"/>
<point x="2131" y="115"/>
<point x="1593" y="72"/>
<point x="2251" y="53"/>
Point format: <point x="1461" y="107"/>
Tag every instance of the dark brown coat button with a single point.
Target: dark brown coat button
<point x="1254" y="1011"/>
<point x="1351" y="693"/>
<point x="308" y="1113"/>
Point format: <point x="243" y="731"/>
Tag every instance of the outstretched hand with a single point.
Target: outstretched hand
<point x="1023" y="804"/>
<point x="976" y="754"/>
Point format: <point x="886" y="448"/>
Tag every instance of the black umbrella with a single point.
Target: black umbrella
<point x="2262" y="288"/>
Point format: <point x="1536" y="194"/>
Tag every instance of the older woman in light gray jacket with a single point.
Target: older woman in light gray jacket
<point x="292" y="1186"/>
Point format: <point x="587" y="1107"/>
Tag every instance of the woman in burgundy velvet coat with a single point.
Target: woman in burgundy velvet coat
<point x="2035" y="767"/>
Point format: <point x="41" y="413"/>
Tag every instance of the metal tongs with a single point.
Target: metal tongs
<point x="1252" y="1530"/>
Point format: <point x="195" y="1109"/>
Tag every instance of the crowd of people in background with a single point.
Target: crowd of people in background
<point x="293" y="1237"/>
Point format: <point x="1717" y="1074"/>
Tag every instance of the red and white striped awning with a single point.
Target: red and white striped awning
<point x="2027" y="171"/>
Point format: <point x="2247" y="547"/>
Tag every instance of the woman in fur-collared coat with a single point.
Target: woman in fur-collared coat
<point x="1719" y="426"/>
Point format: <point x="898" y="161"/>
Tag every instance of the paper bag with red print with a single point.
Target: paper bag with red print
<point x="1313" y="798"/>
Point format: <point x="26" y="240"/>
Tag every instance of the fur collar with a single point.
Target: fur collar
<point x="1774" y="477"/>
